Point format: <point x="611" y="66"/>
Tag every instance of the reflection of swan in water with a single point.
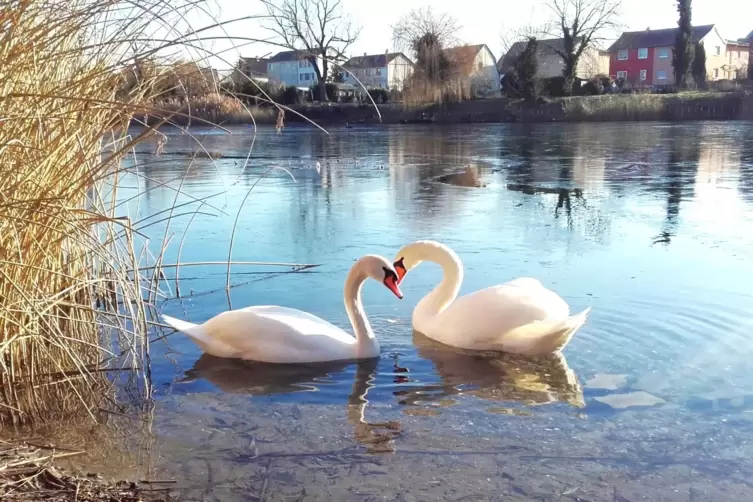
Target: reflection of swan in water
<point x="261" y="379"/>
<point x="493" y="376"/>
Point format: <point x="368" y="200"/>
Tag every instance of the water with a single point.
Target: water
<point x="649" y="224"/>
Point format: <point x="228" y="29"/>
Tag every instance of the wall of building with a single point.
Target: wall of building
<point x="716" y="55"/>
<point x="299" y="73"/>
<point x="663" y="66"/>
<point x="633" y="66"/>
<point x="400" y="70"/>
<point x="737" y="61"/>
<point x="484" y="72"/>
<point x="369" y="77"/>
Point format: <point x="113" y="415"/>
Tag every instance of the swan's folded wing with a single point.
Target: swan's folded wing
<point x="484" y="316"/>
<point x="273" y="334"/>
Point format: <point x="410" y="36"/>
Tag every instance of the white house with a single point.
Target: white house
<point x="383" y="71"/>
<point x="292" y="68"/>
<point x="478" y="64"/>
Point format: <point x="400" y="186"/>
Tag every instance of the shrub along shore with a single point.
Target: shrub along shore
<point x="689" y="106"/>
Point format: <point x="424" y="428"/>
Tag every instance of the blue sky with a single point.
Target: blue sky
<point x="482" y="21"/>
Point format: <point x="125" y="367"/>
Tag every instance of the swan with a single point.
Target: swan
<point x="520" y="316"/>
<point x="274" y="334"/>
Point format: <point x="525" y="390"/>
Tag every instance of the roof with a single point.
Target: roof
<point x="546" y="47"/>
<point x="464" y="56"/>
<point x="749" y="38"/>
<point x="255" y="66"/>
<point x="656" y="38"/>
<point x="285" y="56"/>
<point x="374" y="60"/>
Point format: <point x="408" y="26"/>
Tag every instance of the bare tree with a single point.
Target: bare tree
<point x="316" y="28"/>
<point x="580" y="23"/>
<point x="425" y="35"/>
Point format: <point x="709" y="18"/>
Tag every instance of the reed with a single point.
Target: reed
<point x="76" y="303"/>
<point x="215" y="108"/>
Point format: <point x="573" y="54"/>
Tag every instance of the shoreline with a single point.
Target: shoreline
<point x="684" y="107"/>
<point x="28" y="472"/>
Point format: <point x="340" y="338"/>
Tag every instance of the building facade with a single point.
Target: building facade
<point x="644" y="58"/>
<point x="382" y="71"/>
<point x="293" y="68"/>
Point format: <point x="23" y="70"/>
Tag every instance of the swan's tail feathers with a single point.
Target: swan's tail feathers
<point x="544" y="337"/>
<point x="189" y="329"/>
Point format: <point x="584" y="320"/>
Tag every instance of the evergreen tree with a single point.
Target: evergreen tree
<point x="682" y="57"/>
<point x="526" y="67"/>
<point x="699" y="65"/>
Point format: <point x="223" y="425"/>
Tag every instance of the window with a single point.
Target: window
<point x="622" y="74"/>
<point x="661" y="75"/>
<point x="663" y="53"/>
<point x="718" y="50"/>
<point x="480" y="66"/>
<point x="716" y="72"/>
<point x="643" y="75"/>
<point x="378" y="71"/>
<point x="738" y="54"/>
<point x="642" y="53"/>
<point x="622" y="55"/>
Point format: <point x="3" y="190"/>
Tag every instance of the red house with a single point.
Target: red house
<point x="644" y="58"/>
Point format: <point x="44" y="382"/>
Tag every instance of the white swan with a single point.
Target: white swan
<point x="273" y="334"/>
<point x="519" y="316"/>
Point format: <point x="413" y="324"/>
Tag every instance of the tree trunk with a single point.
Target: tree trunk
<point x="323" y="83"/>
<point x="569" y="73"/>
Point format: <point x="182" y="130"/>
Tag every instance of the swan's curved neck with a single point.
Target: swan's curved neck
<point x="365" y="339"/>
<point x="447" y="290"/>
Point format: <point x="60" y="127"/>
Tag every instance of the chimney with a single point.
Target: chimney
<point x="364" y="54"/>
<point x="386" y="51"/>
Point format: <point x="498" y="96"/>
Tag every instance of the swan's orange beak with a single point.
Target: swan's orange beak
<point x="400" y="269"/>
<point x="391" y="284"/>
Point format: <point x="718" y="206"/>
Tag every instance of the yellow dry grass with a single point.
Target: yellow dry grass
<point x="71" y="307"/>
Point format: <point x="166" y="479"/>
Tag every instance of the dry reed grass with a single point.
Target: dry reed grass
<point x="76" y="296"/>
<point x="420" y="91"/>
<point x="616" y="107"/>
<point x="217" y="109"/>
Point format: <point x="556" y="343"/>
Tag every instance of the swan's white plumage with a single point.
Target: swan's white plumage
<point x="520" y="316"/>
<point x="274" y="334"/>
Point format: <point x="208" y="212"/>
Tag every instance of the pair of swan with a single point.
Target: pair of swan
<point x="519" y="316"/>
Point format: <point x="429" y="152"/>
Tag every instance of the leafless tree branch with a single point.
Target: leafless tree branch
<point x="415" y="25"/>
<point x="316" y="28"/>
<point x="580" y="23"/>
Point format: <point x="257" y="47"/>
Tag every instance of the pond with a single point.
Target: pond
<point x="649" y="224"/>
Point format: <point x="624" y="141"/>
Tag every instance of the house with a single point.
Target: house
<point x="749" y="39"/>
<point x="383" y="71"/>
<point x="293" y="68"/>
<point x="478" y="64"/>
<point x="253" y="67"/>
<point x="644" y="58"/>
<point x="592" y="62"/>
<point x="738" y="55"/>
<point x="249" y="68"/>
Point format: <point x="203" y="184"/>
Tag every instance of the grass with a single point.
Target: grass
<point x="78" y="287"/>
<point x="215" y="108"/>
<point x="626" y="107"/>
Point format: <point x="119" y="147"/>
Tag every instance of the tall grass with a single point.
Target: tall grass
<point x="75" y="302"/>
<point x="420" y="91"/>
<point x="616" y="107"/>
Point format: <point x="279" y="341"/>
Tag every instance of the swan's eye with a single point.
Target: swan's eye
<point x="400" y="269"/>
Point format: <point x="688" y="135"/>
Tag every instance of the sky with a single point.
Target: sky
<point x="482" y="21"/>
